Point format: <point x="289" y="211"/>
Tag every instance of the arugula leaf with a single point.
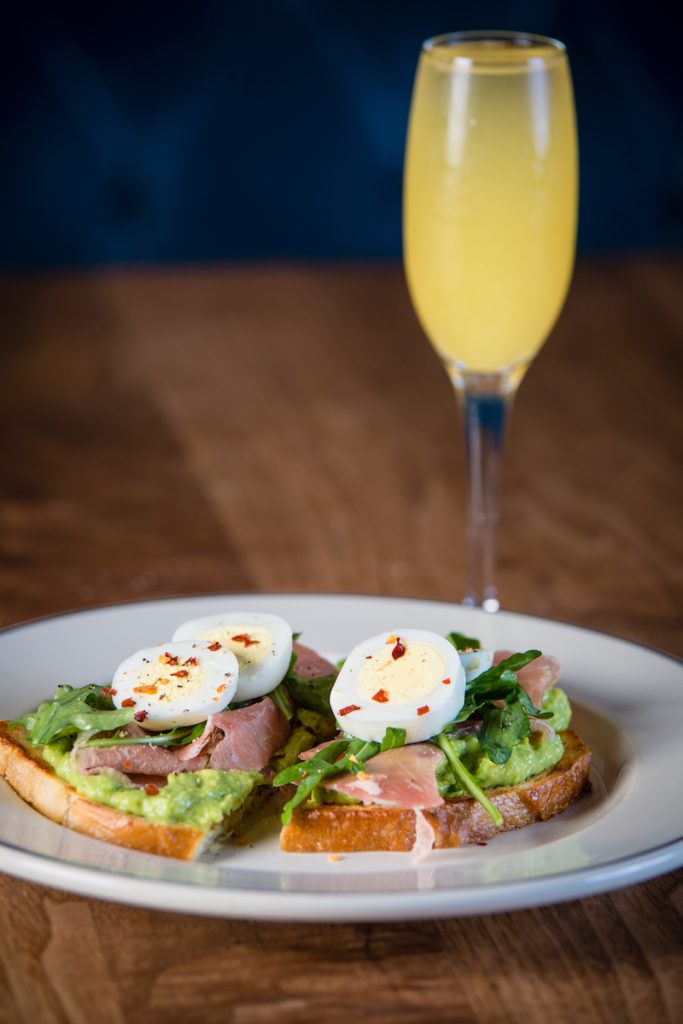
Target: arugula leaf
<point x="498" y="683"/>
<point x="393" y="738"/>
<point x="502" y="729"/>
<point x="462" y="642"/>
<point x="280" y="697"/>
<point x="467" y="780"/>
<point x="71" y="711"/>
<point x="504" y="705"/>
<point x="157" y="739"/>
<point x="503" y="672"/>
<point x="343" y="755"/>
<point x="313" y="694"/>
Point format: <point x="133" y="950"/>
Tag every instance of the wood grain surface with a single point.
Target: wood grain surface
<point x="289" y="428"/>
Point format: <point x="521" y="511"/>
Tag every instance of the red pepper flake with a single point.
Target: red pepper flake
<point x="244" y="638"/>
<point x="348" y="709"/>
<point x="446" y="681"/>
<point x="398" y="651"/>
<point x="140" y="716"/>
<point x="128" y="703"/>
<point x="151" y="789"/>
<point x="219" y="689"/>
<point x="145" y="688"/>
<point x="192" y="662"/>
<point x="423" y="710"/>
<point x="215" y="646"/>
<point x="381" y="697"/>
<point x="107" y="691"/>
<point x="181" y="673"/>
<point x="168" y="659"/>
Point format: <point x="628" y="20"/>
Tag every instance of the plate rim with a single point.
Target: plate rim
<point x="416" y="904"/>
<point x="90" y="609"/>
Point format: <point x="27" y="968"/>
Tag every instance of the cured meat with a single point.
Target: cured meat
<point x="136" y="760"/>
<point x="401" y="777"/>
<point x="310" y="665"/>
<point x="424" y="838"/>
<point x="537" y="677"/>
<point x="250" y="737"/>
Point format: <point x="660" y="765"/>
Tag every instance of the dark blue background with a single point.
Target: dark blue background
<point x="208" y="131"/>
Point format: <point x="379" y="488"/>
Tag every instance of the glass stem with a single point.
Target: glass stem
<point x="485" y="402"/>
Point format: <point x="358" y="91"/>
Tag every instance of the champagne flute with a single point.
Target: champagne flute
<point x="490" y="208"/>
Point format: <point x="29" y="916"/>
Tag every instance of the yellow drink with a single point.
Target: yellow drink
<point x="490" y="198"/>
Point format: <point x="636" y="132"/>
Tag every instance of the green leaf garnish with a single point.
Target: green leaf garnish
<point x="343" y="755"/>
<point x="280" y="697"/>
<point x="502" y="729"/>
<point x="176" y="737"/>
<point x="393" y="738"/>
<point x="462" y="642"/>
<point x="72" y="711"/>
<point x="506" y="725"/>
<point x="313" y="694"/>
<point x="466" y="780"/>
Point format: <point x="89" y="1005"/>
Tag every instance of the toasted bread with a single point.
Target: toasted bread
<point x="36" y="782"/>
<point x="350" y="828"/>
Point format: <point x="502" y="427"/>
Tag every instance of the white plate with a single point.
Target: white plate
<point x="628" y="703"/>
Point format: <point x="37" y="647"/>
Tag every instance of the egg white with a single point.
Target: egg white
<point x="175" y="683"/>
<point x="261" y="643"/>
<point x="475" y="662"/>
<point x="420" y="691"/>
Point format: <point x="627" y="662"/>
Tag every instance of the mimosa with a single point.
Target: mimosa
<point x="490" y="197"/>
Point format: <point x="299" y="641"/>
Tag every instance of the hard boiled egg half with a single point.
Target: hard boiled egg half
<point x="261" y="643"/>
<point x="176" y="683"/>
<point x="408" y="679"/>
<point x="475" y="662"/>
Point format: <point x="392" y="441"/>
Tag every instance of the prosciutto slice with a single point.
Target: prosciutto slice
<point x="401" y="777"/>
<point x="310" y="665"/>
<point x="250" y="737"/>
<point x="135" y="760"/>
<point x="537" y="677"/>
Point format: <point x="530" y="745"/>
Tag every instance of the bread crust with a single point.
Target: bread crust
<point x="352" y="828"/>
<point x="36" y="783"/>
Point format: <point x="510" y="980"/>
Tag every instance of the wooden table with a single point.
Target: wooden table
<point x="286" y="429"/>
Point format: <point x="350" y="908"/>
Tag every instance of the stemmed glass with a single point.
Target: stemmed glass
<point x="490" y="207"/>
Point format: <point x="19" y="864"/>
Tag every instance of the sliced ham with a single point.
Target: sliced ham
<point x="244" y="739"/>
<point x="536" y="677"/>
<point x="401" y="777"/>
<point x="137" y="760"/>
<point x="424" y="838"/>
<point x="310" y="665"/>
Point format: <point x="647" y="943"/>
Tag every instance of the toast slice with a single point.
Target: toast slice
<point x="351" y="828"/>
<point x="36" y="782"/>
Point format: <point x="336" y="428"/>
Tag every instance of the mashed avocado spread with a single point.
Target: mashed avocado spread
<point x="204" y="799"/>
<point x="200" y="799"/>
<point x="534" y="755"/>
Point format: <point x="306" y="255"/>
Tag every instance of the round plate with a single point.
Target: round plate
<point x="628" y="707"/>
